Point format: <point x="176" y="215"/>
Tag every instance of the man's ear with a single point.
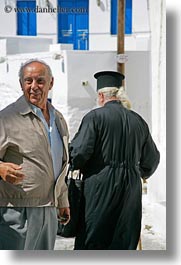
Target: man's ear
<point x="21" y="84"/>
<point x="51" y="83"/>
<point x="101" y="96"/>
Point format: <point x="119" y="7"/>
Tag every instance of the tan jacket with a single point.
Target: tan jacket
<point x="24" y="141"/>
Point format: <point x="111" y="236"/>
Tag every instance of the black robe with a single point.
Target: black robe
<point x="113" y="148"/>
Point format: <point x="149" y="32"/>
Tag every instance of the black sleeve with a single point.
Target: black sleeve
<point x="150" y="157"/>
<point x="82" y="146"/>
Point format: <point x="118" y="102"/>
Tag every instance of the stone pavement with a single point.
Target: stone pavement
<point x="150" y="239"/>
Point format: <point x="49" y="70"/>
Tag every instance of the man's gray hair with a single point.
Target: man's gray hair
<point x="23" y="66"/>
<point x="119" y="93"/>
<point x="109" y="92"/>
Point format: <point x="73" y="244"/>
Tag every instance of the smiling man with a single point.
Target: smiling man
<point x="34" y="157"/>
<point x="36" y="80"/>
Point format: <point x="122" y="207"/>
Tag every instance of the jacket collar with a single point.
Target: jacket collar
<point x="113" y="102"/>
<point x="23" y="106"/>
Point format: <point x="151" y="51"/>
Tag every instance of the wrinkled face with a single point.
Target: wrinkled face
<point x="36" y="83"/>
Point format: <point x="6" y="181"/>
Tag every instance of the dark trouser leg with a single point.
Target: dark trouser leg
<point x="13" y="228"/>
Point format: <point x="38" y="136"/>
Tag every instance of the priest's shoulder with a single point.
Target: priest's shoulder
<point x="137" y="117"/>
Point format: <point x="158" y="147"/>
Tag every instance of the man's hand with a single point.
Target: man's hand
<point x="10" y="172"/>
<point x="64" y="215"/>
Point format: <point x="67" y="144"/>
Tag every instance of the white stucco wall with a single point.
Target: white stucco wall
<point x="7" y="20"/>
<point x="26" y="44"/>
<point x="158" y="48"/>
<point x="157" y="184"/>
<point x="140" y="21"/>
<point x="99" y="23"/>
<point x="47" y="22"/>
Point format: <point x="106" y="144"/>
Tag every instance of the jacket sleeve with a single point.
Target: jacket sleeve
<point x="63" y="198"/>
<point x="3" y="140"/>
<point x="82" y="146"/>
<point x="150" y="157"/>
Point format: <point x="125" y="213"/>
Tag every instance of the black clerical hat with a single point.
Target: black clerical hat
<point x="108" y="79"/>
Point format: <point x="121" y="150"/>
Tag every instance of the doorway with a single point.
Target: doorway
<point x="73" y="18"/>
<point x="26" y="19"/>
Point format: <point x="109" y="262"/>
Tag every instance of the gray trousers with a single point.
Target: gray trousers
<point x="28" y="228"/>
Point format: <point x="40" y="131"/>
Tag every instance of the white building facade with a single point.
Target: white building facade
<point x="89" y="25"/>
<point x="78" y="38"/>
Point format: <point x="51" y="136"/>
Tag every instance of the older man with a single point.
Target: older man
<point x="113" y="149"/>
<point x="34" y="157"/>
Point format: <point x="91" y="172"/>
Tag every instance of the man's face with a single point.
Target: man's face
<point x="36" y="83"/>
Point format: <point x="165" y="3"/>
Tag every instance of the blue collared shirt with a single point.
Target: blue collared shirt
<point x="54" y="138"/>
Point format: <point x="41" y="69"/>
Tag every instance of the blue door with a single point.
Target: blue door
<point x="128" y="16"/>
<point x="26" y="18"/>
<point x="73" y="23"/>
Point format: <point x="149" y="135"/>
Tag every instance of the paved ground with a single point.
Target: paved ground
<point x="150" y="239"/>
